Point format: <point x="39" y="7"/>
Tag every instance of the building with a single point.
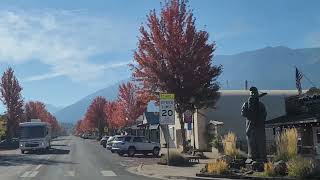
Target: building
<point x="302" y="113"/>
<point x="147" y="125"/>
<point x="228" y="111"/>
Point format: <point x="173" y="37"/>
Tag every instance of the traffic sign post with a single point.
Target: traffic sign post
<point x="167" y="115"/>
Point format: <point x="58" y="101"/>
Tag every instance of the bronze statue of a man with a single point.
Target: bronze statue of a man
<point x="255" y="112"/>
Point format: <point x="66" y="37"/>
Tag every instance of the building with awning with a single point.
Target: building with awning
<point x="302" y="113"/>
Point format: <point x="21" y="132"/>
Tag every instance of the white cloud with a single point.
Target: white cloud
<point x="64" y="40"/>
<point x="313" y="39"/>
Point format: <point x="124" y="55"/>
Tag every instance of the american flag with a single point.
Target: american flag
<point x="298" y="83"/>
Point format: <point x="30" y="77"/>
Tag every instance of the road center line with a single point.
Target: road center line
<point x="29" y="174"/>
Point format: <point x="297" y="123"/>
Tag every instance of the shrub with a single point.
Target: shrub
<point x="175" y="159"/>
<point x="218" y="167"/>
<point x="287" y="145"/>
<point x="299" y="167"/>
<point x="230" y="145"/>
<point x="269" y="169"/>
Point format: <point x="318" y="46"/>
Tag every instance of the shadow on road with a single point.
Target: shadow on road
<point x="58" y="145"/>
<point x="19" y="159"/>
<point x="51" y="151"/>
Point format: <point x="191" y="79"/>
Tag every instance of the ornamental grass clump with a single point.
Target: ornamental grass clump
<point x="300" y="167"/>
<point x="219" y="167"/>
<point x="286" y="145"/>
<point x="230" y="145"/>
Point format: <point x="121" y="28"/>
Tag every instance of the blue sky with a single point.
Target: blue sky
<point x="64" y="50"/>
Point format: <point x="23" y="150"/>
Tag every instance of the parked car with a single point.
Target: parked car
<point x="111" y="140"/>
<point x="9" y="144"/>
<point x="103" y="141"/>
<point x="132" y="145"/>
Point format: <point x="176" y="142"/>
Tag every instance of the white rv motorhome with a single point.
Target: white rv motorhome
<point x="34" y="135"/>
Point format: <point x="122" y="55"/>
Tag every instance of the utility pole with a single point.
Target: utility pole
<point x="246" y="85"/>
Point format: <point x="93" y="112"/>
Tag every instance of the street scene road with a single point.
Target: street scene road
<point x="70" y="157"/>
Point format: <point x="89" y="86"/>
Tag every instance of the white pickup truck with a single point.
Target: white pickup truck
<point x="132" y="145"/>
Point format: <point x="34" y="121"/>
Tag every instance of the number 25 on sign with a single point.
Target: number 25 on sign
<point x="167" y="109"/>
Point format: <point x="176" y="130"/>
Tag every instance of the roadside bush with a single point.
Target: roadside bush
<point x="175" y="159"/>
<point x="299" y="167"/>
<point x="230" y="145"/>
<point x="218" y="167"/>
<point x="287" y="145"/>
<point x="269" y="169"/>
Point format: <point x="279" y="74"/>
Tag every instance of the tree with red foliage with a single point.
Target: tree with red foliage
<point x="111" y="118"/>
<point x="11" y="98"/>
<point x="37" y="110"/>
<point x="130" y="103"/>
<point x="174" y="57"/>
<point x="95" y="115"/>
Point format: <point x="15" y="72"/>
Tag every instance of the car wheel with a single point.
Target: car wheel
<point x="156" y="151"/>
<point x="112" y="151"/>
<point x="104" y="145"/>
<point x="131" y="151"/>
<point x="22" y="151"/>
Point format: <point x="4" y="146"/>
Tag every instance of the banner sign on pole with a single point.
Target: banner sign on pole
<point x="187" y="115"/>
<point x="167" y="109"/>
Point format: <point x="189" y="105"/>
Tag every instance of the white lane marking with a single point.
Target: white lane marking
<point x="108" y="173"/>
<point x="122" y="164"/>
<point x="70" y="173"/>
<point x="38" y="167"/>
<point x="29" y="174"/>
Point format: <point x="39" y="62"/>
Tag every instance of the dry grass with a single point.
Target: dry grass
<point x="269" y="169"/>
<point x="299" y="167"/>
<point x="229" y="145"/>
<point x="218" y="167"/>
<point x="175" y="158"/>
<point x="287" y="145"/>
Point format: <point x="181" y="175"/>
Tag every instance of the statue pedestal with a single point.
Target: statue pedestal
<point x="255" y="165"/>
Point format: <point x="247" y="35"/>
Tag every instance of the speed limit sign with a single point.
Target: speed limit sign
<point x="167" y="109"/>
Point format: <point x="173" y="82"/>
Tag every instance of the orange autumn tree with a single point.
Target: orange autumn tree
<point x="130" y="103"/>
<point x="37" y="110"/>
<point x="11" y="98"/>
<point x="95" y="115"/>
<point x="174" y="57"/>
<point x="113" y="120"/>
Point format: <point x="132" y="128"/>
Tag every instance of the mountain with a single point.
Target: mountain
<point x="267" y="68"/>
<point x="52" y="109"/>
<point x="77" y="110"/>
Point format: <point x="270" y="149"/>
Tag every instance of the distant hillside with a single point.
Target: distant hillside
<point x="267" y="68"/>
<point x="76" y="111"/>
<point x="52" y="109"/>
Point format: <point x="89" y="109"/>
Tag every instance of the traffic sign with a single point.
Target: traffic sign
<point x="167" y="109"/>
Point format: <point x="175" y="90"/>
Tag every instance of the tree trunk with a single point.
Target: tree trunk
<point x="183" y="132"/>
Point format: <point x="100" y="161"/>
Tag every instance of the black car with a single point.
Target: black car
<point x="9" y="144"/>
<point x="104" y="140"/>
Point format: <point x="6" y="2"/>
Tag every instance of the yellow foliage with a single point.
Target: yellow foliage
<point x="2" y="127"/>
<point x="229" y="145"/>
<point x="218" y="167"/>
<point x="269" y="169"/>
<point x="300" y="167"/>
<point x="287" y="144"/>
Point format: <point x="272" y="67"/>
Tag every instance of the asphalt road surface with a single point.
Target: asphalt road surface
<point x="70" y="158"/>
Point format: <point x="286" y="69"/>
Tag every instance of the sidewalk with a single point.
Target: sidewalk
<point x="168" y="172"/>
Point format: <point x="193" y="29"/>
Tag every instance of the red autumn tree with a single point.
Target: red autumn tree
<point x="130" y="102"/>
<point x="37" y="110"/>
<point x="174" y="57"/>
<point x="11" y="98"/>
<point x="111" y="119"/>
<point x="95" y="115"/>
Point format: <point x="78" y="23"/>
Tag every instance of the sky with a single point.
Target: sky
<point x="64" y="50"/>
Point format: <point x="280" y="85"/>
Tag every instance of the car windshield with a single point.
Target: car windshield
<point x="32" y="132"/>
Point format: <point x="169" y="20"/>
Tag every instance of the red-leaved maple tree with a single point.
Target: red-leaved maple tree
<point x="130" y="103"/>
<point x="11" y="98"/>
<point x="37" y="110"/>
<point x="174" y="57"/>
<point x="95" y="115"/>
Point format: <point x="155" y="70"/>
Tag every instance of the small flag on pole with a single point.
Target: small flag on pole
<point x="298" y="79"/>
